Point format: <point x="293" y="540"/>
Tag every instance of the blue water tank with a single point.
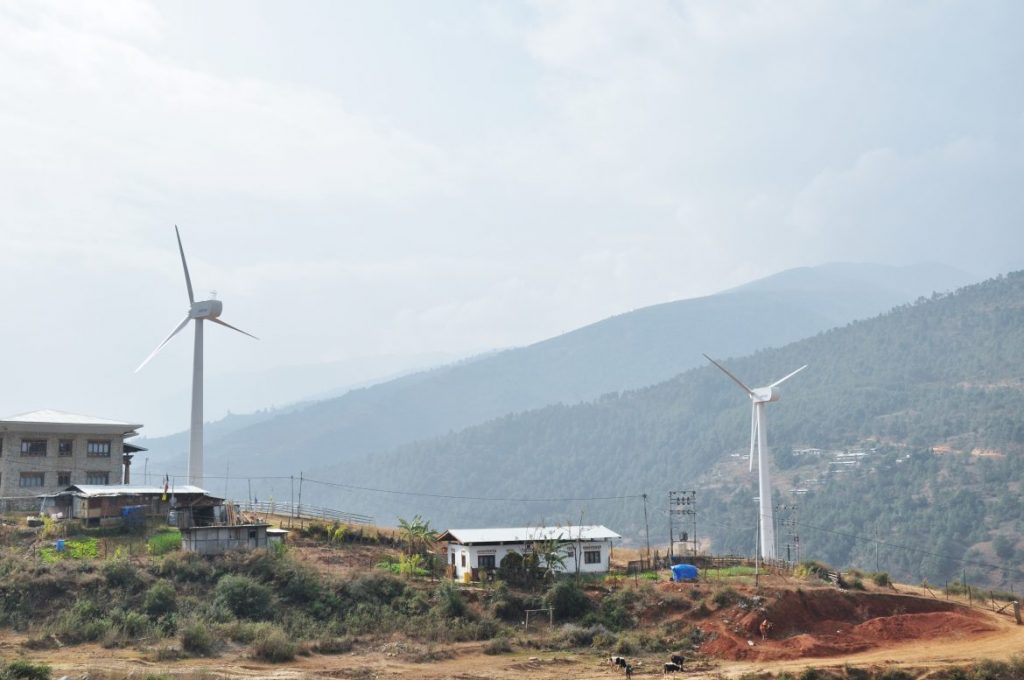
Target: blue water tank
<point x="59" y="546"/>
<point x="684" y="572"/>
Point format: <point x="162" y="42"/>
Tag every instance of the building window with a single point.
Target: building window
<point x="97" y="477"/>
<point x="463" y="559"/>
<point x="33" y="447"/>
<point x="65" y="447"/>
<point x="592" y="556"/>
<point x="485" y="561"/>
<point x="30" y="479"/>
<point x="98" y="448"/>
<point x="64" y="479"/>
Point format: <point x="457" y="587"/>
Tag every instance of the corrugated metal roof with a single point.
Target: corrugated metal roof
<point x="53" y="417"/>
<point x="528" y="534"/>
<point x="119" y="489"/>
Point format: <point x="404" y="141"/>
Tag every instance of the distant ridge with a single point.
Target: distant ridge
<point x="624" y="352"/>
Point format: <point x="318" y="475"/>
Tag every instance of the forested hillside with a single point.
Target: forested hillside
<point x="628" y="351"/>
<point x="945" y="372"/>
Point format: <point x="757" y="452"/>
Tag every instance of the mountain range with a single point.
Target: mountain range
<point x="624" y="352"/>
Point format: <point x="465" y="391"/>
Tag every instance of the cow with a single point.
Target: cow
<point x="671" y="668"/>
<point x="766" y="628"/>
<point x="619" y="661"/>
<point x="678" y="659"/>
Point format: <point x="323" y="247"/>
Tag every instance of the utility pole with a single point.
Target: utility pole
<point x="299" y="512"/>
<point x="250" y="493"/>
<point x="647" y="529"/>
<point x="292" y="513"/>
<point x="681" y="504"/>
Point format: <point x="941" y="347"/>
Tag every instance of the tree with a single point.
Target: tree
<point x="417" y="535"/>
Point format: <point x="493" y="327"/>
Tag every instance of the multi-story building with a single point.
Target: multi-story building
<point x="46" y="451"/>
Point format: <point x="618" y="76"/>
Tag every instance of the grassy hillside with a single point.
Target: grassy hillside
<point x="624" y="352"/>
<point x="944" y="372"/>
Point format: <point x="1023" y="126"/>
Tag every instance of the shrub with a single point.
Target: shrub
<point x="726" y="597"/>
<point x="881" y="579"/>
<point x="198" y="640"/>
<point x="186" y="568"/>
<point x="164" y="542"/>
<point x="160" y="599"/>
<point x="121" y="574"/>
<point x="274" y="645"/>
<point x="449" y="603"/>
<point x="498" y="646"/>
<point x="572" y="635"/>
<point x="855" y="584"/>
<point x="244" y="596"/>
<point x="568" y="601"/>
<point x="333" y="645"/>
<point x="25" y="670"/>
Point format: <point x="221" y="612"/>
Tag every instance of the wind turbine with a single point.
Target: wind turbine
<point x="759" y="396"/>
<point x="204" y="310"/>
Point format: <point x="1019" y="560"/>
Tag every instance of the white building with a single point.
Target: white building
<point x="470" y="550"/>
<point x="46" y="451"/>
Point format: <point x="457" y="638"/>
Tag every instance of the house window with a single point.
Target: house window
<point x="592" y="556"/>
<point x="30" y="479"/>
<point x="485" y="561"/>
<point x="463" y="559"/>
<point x="98" y="448"/>
<point x="570" y="553"/>
<point x="33" y="447"/>
<point x="97" y="477"/>
<point x="65" y="447"/>
<point x="63" y="479"/>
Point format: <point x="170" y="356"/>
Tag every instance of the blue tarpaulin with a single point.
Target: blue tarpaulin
<point x="684" y="572"/>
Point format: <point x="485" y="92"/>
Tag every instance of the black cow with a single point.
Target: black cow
<point x="678" y="659"/>
<point x="672" y="668"/>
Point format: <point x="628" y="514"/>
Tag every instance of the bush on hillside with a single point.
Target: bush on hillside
<point x="567" y="600"/>
<point x="198" y="640"/>
<point x="160" y="599"/>
<point x="244" y="596"/>
<point x="274" y="645"/>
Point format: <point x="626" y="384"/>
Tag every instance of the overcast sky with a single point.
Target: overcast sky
<point x="381" y="178"/>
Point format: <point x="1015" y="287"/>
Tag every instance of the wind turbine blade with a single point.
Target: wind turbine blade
<point x="161" y="345"/>
<point x="222" y="323"/>
<point x="184" y="265"/>
<point x="753" y="433"/>
<point x="735" y="379"/>
<point x="779" y="382"/>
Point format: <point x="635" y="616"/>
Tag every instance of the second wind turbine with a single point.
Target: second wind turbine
<point x="759" y="396"/>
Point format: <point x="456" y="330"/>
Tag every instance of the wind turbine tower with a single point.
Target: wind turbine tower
<point x="204" y="310"/>
<point x="759" y="397"/>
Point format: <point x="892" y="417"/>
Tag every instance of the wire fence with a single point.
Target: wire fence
<point x="303" y="511"/>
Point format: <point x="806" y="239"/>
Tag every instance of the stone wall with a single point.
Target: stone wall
<point x="79" y="464"/>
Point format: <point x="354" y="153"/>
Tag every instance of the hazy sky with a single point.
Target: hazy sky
<point x="359" y="179"/>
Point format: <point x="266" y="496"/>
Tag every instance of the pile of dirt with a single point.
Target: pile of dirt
<point x="825" y="622"/>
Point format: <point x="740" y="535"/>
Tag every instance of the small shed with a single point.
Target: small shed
<point x="217" y="540"/>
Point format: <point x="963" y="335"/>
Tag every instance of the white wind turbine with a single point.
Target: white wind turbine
<point x="759" y="396"/>
<point x="204" y="310"/>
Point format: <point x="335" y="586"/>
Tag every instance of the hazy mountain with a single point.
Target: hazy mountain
<point x="943" y="374"/>
<point x="624" y="352"/>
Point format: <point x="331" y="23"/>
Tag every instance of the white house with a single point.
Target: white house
<point x="470" y="550"/>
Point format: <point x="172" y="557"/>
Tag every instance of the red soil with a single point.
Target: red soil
<point x="826" y="622"/>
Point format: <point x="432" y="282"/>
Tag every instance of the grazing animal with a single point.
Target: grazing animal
<point x="629" y="671"/>
<point x="678" y="659"/>
<point x="671" y="668"/>
<point x="766" y="628"/>
<point x="619" y="661"/>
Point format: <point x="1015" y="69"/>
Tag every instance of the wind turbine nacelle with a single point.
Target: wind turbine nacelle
<point x="765" y="394"/>
<point x="206" y="309"/>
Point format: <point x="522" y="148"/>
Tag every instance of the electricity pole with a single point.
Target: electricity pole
<point x="647" y="529"/>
